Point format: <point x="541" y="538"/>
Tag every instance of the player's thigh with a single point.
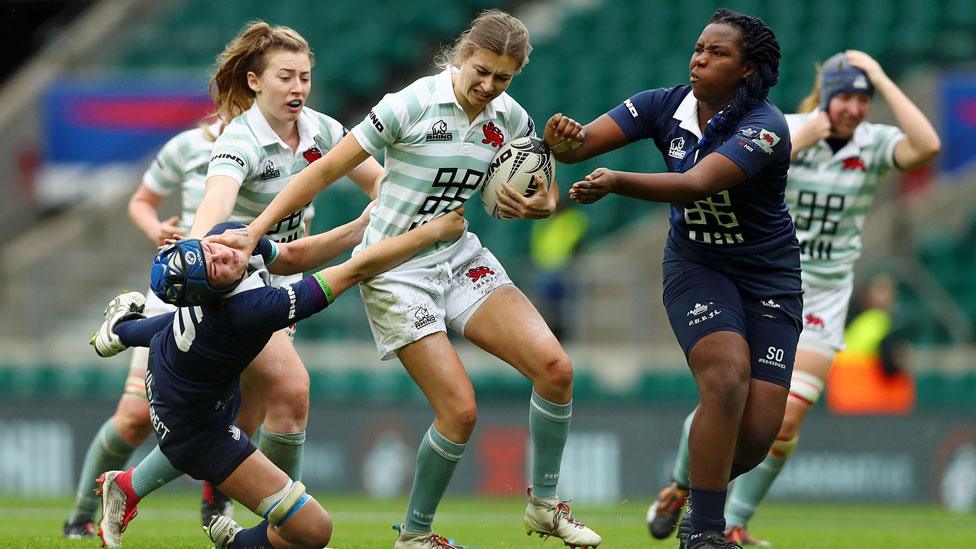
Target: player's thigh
<point x="435" y="367"/>
<point x="508" y="326"/>
<point x="700" y="302"/>
<point x="133" y="406"/>
<point x="278" y="371"/>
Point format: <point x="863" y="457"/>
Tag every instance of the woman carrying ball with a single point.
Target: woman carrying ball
<point x="438" y="136"/>
<point x="731" y="262"/>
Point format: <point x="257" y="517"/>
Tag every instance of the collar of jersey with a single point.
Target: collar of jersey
<point x="307" y="130"/>
<point x="257" y="279"/>
<point x="444" y="93"/>
<point x="687" y="114"/>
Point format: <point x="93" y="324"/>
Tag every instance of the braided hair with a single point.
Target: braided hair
<point x="760" y="46"/>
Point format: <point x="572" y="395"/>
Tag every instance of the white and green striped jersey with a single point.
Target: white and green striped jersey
<point x="434" y="158"/>
<point x="829" y="195"/>
<point x="182" y="165"/>
<point x="252" y="154"/>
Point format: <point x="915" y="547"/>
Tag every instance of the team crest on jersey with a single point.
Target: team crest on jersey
<point x="312" y="154"/>
<point x="677" y="148"/>
<point x="854" y="164"/>
<point x="493" y="135"/>
<point x="235" y="432"/>
<point x="270" y="172"/>
<point x="766" y="140"/>
<point x="439" y="132"/>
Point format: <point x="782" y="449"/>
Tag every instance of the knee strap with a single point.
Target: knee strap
<point x="136" y="386"/>
<point x="280" y="506"/>
<point x="783" y="449"/>
<point x="805" y="388"/>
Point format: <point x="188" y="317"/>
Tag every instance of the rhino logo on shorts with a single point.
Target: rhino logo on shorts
<point x="423" y="318"/>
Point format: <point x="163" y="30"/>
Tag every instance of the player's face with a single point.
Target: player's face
<point x="225" y="265"/>
<point x="846" y="110"/>
<point x="717" y="66"/>
<point x="283" y="86"/>
<point x="484" y="76"/>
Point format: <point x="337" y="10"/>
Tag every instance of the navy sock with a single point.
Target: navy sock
<point x="139" y="332"/>
<point x="253" y="537"/>
<point x="707" y="510"/>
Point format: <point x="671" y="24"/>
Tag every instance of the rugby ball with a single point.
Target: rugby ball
<point x="517" y="162"/>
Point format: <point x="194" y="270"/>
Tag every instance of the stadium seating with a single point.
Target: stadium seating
<point x="599" y="55"/>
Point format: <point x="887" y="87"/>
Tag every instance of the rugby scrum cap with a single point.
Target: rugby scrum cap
<point x="179" y="275"/>
<point x="837" y="75"/>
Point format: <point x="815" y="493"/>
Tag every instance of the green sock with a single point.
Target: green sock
<point x="751" y="488"/>
<point x="549" y="429"/>
<point x="681" y="474"/>
<point x="107" y="452"/>
<point x="152" y="472"/>
<point x="437" y="458"/>
<point x="284" y="450"/>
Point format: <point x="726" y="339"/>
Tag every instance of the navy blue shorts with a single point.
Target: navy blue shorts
<point x="206" y="448"/>
<point x="701" y="300"/>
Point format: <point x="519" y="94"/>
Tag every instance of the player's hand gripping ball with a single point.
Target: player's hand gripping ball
<point x="517" y="162"/>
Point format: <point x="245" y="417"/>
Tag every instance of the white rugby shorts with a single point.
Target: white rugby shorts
<point x="824" y="315"/>
<point x="430" y="294"/>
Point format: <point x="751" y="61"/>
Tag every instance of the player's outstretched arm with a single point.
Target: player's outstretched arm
<point x="346" y="155"/>
<point x="313" y="251"/>
<point x="389" y="253"/>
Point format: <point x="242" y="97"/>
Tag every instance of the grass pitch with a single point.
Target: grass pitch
<point x="169" y="519"/>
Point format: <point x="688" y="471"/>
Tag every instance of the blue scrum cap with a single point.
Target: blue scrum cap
<point x="179" y="275"/>
<point x="837" y="75"/>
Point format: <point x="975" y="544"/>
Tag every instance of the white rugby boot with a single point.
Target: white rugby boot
<point x="222" y="531"/>
<point x="124" y="306"/>
<point x="118" y="506"/>
<point x="551" y="517"/>
<point x="421" y="540"/>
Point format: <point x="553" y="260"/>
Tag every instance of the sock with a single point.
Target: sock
<point x="139" y="332"/>
<point x="549" y="429"/>
<point x="284" y="450"/>
<point x="152" y="472"/>
<point x="437" y="458"/>
<point x="751" y="488"/>
<point x="706" y="510"/>
<point x="253" y="537"/>
<point x="108" y="451"/>
<point x="681" y="474"/>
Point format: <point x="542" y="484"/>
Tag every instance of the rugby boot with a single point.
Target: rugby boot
<point x="124" y="306"/>
<point x="78" y="530"/>
<point x="710" y="539"/>
<point x="684" y="530"/>
<point x="664" y="513"/>
<point x="222" y="530"/>
<point x="739" y="534"/>
<point x="214" y="503"/>
<point x="118" y="506"/>
<point x="421" y="540"/>
<point x="551" y="517"/>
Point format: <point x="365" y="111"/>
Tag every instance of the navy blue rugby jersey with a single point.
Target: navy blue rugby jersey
<point x="199" y="354"/>
<point x="749" y="218"/>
